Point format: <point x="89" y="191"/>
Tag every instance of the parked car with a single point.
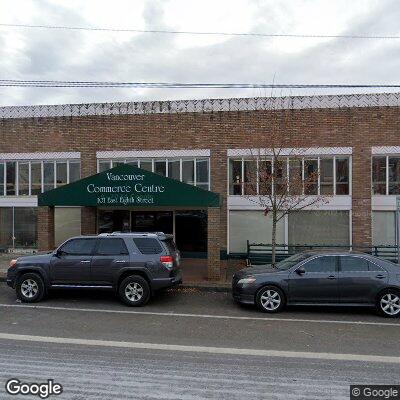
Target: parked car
<point x="324" y="278"/>
<point x="135" y="265"/>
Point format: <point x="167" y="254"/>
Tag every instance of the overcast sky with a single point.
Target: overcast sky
<point x="107" y="56"/>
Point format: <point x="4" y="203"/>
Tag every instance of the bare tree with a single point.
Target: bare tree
<point x="279" y="178"/>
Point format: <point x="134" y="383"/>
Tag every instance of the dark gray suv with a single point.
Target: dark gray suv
<point x="133" y="264"/>
<point x="309" y="278"/>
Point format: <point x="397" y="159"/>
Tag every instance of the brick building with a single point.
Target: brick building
<point x="352" y="141"/>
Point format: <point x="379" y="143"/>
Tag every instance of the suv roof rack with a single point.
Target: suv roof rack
<point x="151" y="234"/>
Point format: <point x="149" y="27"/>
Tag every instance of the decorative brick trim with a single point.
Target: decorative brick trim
<point x="385" y="150"/>
<point x="314" y="151"/>
<point x="153" y="153"/>
<point x="41" y="156"/>
<point x="203" y="106"/>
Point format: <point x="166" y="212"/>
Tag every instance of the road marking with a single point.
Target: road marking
<point x="203" y="349"/>
<point x="188" y="315"/>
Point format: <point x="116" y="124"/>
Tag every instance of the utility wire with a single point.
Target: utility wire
<point x="177" y="85"/>
<point x="173" y="32"/>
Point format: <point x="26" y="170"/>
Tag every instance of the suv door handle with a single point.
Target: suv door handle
<point x="331" y="277"/>
<point x="380" y="276"/>
<point x="85" y="261"/>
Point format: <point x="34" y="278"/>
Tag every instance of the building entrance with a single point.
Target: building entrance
<point x="189" y="227"/>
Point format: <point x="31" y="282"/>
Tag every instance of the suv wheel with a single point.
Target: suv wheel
<point x="388" y="303"/>
<point x="270" y="299"/>
<point x="30" y="288"/>
<point x="134" y="291"/>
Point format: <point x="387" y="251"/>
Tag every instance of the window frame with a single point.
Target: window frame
<point x="100" y="240"/>
<point x="286" y="167"/>
<point x="167" y="160"/>
<point x="316" y="257"/>
<point x="379" y="268"/>
<point x="60" y="248"/>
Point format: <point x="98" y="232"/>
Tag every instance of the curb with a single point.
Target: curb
<point x="202" y="287"/>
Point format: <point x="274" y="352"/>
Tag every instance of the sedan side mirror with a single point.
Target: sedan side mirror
<point x="301" y="271"/>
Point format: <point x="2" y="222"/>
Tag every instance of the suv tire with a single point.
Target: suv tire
<point x="270" y="299"/>
<point x="134" y="291"/>
<point x="30" y="288"/>
<point x="388" y="302"/>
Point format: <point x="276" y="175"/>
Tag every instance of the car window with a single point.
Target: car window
<point x="289" y="262"/>
<point x="321" y="264"/>
<point x="148" y="245"/>
<point x="351" y="264"/>
<point x="109" y="247"/>
<point x="79" y="246"/>
<point x="170" y="245"/>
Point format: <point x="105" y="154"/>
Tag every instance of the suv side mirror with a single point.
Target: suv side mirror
<point x="59" y="253"/>
<point x="300" y="271"/>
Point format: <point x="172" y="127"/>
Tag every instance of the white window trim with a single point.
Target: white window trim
<point x="153" y="153"/>
<point x="310" y="151"/>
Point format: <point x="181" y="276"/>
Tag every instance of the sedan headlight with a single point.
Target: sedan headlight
<point x="247" y="281"/>
<point x="13" y="262"/>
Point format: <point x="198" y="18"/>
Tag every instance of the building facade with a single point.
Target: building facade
<point x="351" y="141"/>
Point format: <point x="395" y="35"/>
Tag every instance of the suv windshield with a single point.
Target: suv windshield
<point x="291" y="261"/>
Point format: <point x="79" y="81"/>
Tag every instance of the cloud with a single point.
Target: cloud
<point x="77" y="55"/>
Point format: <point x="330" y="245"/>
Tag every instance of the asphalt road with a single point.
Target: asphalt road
<point x="191" y="345"/>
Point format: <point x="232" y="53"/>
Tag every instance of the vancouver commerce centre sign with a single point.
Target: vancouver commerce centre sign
<point x="128" y="186"/>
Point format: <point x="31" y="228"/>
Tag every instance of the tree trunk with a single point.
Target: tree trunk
<point x="273" y="242"/>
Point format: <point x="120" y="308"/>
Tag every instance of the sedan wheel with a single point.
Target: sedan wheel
<point x="389" y="304"/>
<point x="270" y="299"/>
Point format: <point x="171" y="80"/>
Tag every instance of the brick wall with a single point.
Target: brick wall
<point x="359" y="128"/>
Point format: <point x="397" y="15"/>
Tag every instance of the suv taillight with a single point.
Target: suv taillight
<point x="167" y="261"/>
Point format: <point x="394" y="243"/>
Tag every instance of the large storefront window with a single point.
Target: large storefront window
<point x="317" y="176"/>
<point x="253" y="226"/>
<point x="26" y="178"/>
<point x="194" y="171"/>
<point x="383" y="228"/>
<point x="18" y="227"/>
<point x="25" y="226"/>
<point x="319" y="227"/>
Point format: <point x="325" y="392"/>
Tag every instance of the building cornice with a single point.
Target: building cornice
<point x="203" y="106"/>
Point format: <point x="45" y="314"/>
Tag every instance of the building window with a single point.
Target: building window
<point x="317" y="176"/>
<point x="11" y="177"/>
<point x="2" y="179"/>
<point x="386" y="175"/>
<point x="61" y="173"/>
<point x="342" y="175"/>
<point x="24" y="178"/>
<point x="193" y="171"/>
<point x="18" y="227"/>
<point x="36" y="178"/>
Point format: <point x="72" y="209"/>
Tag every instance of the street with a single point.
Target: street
<point x="191" y="344"/>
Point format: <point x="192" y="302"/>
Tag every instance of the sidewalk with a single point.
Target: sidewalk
<point x="194" y="274"/>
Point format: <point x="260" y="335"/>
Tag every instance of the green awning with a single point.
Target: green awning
<point x="128" y="186"/>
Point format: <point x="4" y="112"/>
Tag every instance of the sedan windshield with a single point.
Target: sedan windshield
<point x="291" y="261"/>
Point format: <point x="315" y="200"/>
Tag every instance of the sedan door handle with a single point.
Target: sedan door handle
<point x="331" y="277"/>
<point x="380" y="276"/>
<point x="85" y="261"/>
<point x="120" y="261"/>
